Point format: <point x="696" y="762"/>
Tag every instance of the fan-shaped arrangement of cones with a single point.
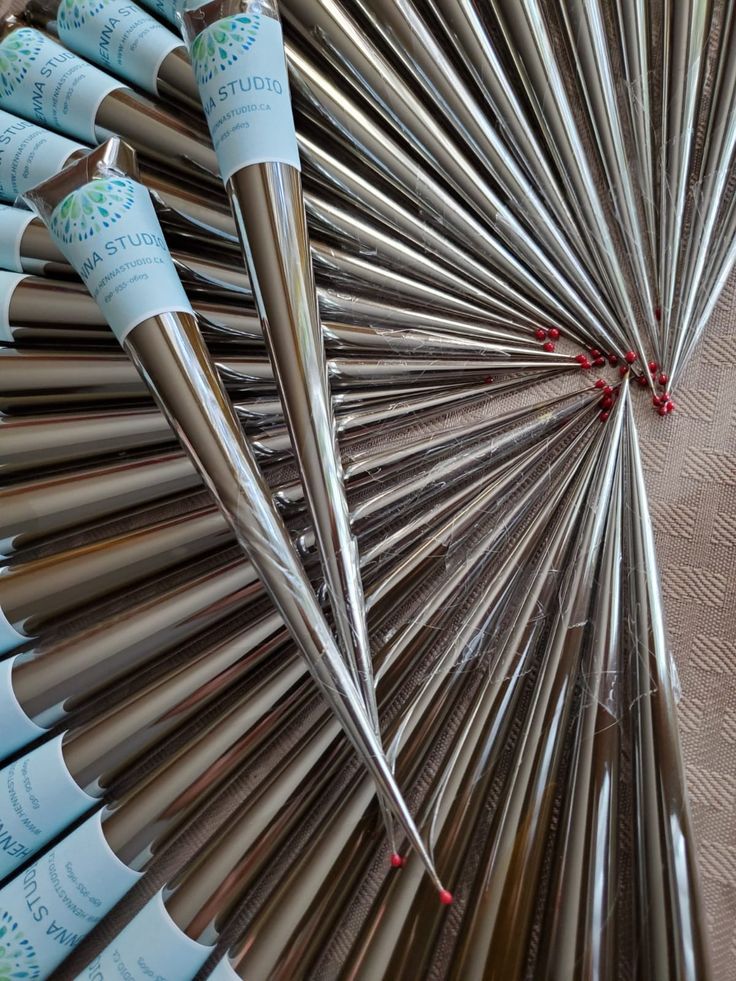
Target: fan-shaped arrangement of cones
<point x="331" y="637"/>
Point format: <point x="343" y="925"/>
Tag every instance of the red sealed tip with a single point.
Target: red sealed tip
<point x="540" y="333"/>
<point x="397" y="862"/>
<point x="445" y="897"/>
<point x="553" y="333"/>
<point x="548" y="346"/>
<point x="600" y="383"/>
<point x="663" y="379"/>
<point x="630" y="357"/>
<point x="603" y="416"/>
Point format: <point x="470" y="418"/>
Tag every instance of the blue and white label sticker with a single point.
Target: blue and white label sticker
<point x="48" y="909"/>
<point x="150" y="946"/>
<point x="109" y="232"/>
<point x="16" y="728"/>
<point x="38" y="799"/>
<point x="29" y="154"/>
<point x="119" y="37"/>
<point x="13" y="223"/>
<point x="41" y="80"/>
<point x="240" y="67"/>
<point x="9" y="636"/>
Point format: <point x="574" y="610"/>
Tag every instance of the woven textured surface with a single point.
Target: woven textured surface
<point x="691" y="472"/>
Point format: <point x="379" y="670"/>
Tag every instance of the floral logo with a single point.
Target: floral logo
<point x="74" y="13"/>
<point x="17" y="53"/>
<point x="221" y="44"/>
<point x="17" y="956"/>
<point x="92" y="208"/>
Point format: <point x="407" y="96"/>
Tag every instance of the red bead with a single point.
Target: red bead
<point x="585" y="365"/>
<point x="445" y="897"/>
<point x="662" y="410"/>
<point x="608" y="390"/>
<point x="548" y="346"/>
<point x="553" y="333"/>
<point x="594" y="352"/>
<point x="612" y="360"/>
<point x="630" y="357"/>
<point x="606" y="403"/>
<point x="540" y="333"/>
<point x="623" y="369"/>
<point x="580" y="358"/>
<point x="603" y="416"/>
<point x="665" y="397"/>
<point x="599" y="362"/>
<point x="656" y="400"/>
<point x="599" y="384"/>
<point x="397" y="861"/>
<point x="642" y="380"/>
<point x="663" y="379"/>
<point x="652" y="366"/>
<point x="670" y="406"/>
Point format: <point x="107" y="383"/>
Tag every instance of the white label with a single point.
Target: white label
<point x="224" y="972"/>
<point x="240" y="67"/>
<point x="38" y="799"/>
<point x="9" y="637"/>
<point x="29" y="155"/>
<point x="166" y="9"/>
<point x="13" y="223"/>
<point x="150" y="948"/>
<point x="53" y="905"/>
<point x="50" y="85"/>
<point x="118" y="36"/>
<point x="16" y="729"/>
<point x="109" y="232"/>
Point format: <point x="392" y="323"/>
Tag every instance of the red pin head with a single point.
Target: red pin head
<point x="548" y="346"/>
<point x="600" y="383"/>
<point x="599" y="362"/>
<point x="641" y="379"/>
<point x="623" y="369"/>
<point x="652" y="366"/>
<point x="594" y="352"/>
<point x="553" y="333"/>
<point x="612" y="360"/>
<point x="603" y="416"/>
<point x="630" y="357"/>
<point x="397" y="862"/>
<point x="540" y="333"/>
<point x="445" y="897"/>
<point x="663" y="379"/>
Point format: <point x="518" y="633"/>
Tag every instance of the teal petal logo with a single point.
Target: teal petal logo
<point x="17" y="53"/>
<point x="75" y="13"/>
<point x="221" y="44"/>
<point x="18" y="960"/>
<point x="91" y="209"/>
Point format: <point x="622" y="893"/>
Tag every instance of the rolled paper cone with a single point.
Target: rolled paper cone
<point x="125" y="40"/>
<point x="159" y="333"/>
<point x="95" y="104"/>
<point x="261" y="171"/>
<point x="673" y="937"/>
